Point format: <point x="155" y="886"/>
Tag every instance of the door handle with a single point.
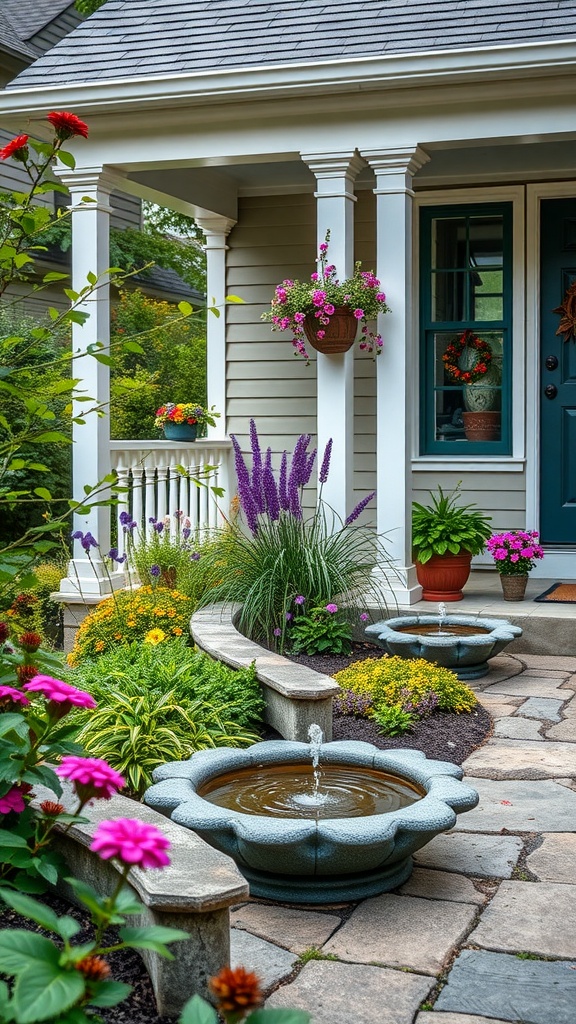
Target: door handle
<point x="550" y="391"/>
<point x="551" y="362"/>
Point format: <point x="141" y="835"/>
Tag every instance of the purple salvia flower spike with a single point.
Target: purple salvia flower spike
<point x="256" y="482"/>
<point x="325" y="467"/>
<point x="359" y="508"/>
<point x="270" y="492"/>
<point x="310" y="466"/>
<point x="298" y="463"/>
<point x="247" y="503"/>
<point x="294" y="506"/>
<point x="283" y="483"/>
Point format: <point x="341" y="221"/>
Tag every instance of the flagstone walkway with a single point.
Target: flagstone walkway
<point x="485" y="929"/>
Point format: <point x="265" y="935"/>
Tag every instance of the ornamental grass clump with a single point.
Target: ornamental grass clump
<point x="150" y="615"/>
<point x="401" y="691"/>
<point x="277" y="561"/>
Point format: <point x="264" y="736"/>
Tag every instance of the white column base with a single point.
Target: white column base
<point x="398" y="585"/>
<point x="89" y="580"/>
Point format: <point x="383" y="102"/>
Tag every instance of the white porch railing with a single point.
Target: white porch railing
<point x="160" y="477"/>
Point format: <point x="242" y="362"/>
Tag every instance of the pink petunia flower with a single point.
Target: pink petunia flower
<point x="92" y="777"/>
<point x="332" y="608"/>
<point x="131" y="841"/>
<point x="359" y="313"/>
<point x="12" y="801"/>
<point x="58" y="692"/>
<point x="329" y="309"/>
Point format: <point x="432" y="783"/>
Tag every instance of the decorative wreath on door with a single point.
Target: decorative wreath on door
<point x="454" y="351"/>
<point x="567" y="313"/>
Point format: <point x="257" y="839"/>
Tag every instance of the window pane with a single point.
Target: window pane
<point x="467" y="411"/>
<point x="487" y="295"/>
<point x="486" y="239"/>
<point x="448" y="296"/>
<point x="449" y="243"/>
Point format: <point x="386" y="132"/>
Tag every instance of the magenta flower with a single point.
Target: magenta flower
<point x="332" y="608"/>
<point x="299" y="317"/>
<point x="364" y="617"/>
<point x="319" y="297"/>
<point x="92" y="777"/>
<point x="58" y="692"/>
<point x="131" y="841"/>
<point x="8" y="693"/>
<point x="300" y="599"/>
<point x="320" y="335"/>
<point x="329" y="309"/>
<point x="323" y="247"/>
<point x="359" y="313"/>
<point x="12" y="801"/>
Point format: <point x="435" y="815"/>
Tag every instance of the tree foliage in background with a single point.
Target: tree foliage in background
<point x="171" y="367"/>
<point x="87" y="7"/>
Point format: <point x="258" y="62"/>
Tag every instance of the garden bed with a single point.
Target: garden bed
<point x="444" y="736"/>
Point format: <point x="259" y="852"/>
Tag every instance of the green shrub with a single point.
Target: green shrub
<point x="321" y="631"/>
<point x="394" y="721"/>
<point x="179" y="559"/>
<point x="412" y="687"/>
<point x="172" y="665"/>
<point x="150" y="615"/>
<point x="136" y="729"/>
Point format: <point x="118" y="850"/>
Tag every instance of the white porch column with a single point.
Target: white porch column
<point x="216" y="230"/>
<point x="396" y="364"/>
<point x="91" y="447"/>
<point x="335" y="174"/>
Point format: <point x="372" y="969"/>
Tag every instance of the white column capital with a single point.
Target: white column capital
<point x="216" y="229"/>
<point x="335" y="173"/>
<point x="395" y="168"/>
<point x="88" y="181"/>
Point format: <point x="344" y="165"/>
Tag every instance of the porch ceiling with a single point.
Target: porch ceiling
<point x="217" y="185"/>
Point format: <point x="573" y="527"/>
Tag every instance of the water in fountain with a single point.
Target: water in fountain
<point x="309" y="790"/>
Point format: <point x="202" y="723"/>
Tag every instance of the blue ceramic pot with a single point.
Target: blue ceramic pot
<point x="180" y="431"/>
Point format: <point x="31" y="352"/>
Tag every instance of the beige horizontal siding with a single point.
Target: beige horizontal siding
<point x="500" y="495"/>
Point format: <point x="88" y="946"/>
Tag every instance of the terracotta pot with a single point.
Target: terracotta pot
<point x="513" y="587"/>
<point x="340" y="333"/>
<point x="481" y="426"/>
<point x="443" y="576"/>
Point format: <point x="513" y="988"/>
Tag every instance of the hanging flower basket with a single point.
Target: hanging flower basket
<point x="338" y="336"/>
<point x="180" y="431"/>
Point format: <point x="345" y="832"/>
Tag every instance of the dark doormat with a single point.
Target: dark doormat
<point x="560" y="593"/>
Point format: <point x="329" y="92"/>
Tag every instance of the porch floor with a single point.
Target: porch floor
<point x="549" y="628"/>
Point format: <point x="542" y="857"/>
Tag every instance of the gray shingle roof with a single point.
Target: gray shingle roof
<point x="138" y="38"/>
<point x="28" y="17"/>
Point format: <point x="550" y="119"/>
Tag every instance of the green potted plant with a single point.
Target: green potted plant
<point x="182" y="421"/>
<point x="445" y="536"/>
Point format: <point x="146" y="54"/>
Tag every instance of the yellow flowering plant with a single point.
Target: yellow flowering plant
<point x="412" y="687"/>
<point x="149" y="614"/>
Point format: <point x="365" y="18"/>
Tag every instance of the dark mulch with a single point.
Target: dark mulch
<point x="443" y="736"/>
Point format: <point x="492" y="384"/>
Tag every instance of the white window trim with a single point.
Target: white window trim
<point x="514" y="194"/>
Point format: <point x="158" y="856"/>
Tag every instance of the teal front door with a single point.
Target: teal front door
<point x="557" y="376"/>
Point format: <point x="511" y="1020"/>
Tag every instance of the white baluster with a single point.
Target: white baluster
<point x="137" y="495"/>
<point x="123" y="481"/>
<point x="162" y="484"/>
<point x="150" y="498"/>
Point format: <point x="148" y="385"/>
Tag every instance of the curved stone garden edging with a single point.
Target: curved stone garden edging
<point x="296" y="697"/>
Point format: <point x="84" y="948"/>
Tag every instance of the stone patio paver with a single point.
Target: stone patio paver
<point x="503" y="986"/>
<point x="555" y="860"/>
<point x="402" y="931"/>
<point x="431" y="1017"/>
<point x="520" y="806"/>
<point x="541" y="707"/>
<point x="522" y="759"/>
<point x="354" y="994"/>
<point x="532" y="917"/>
<point x="442" y="885"/>
<point x="270" y="963"/>
<point x="521" y="687"/>
<point x="296" y="930"/>
<point x="483" y="856"/>
<point x="517" y="728"/>
<point x="565" y="731"/>
<point x="563" y="663"/>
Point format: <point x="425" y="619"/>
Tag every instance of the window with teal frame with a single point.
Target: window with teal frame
<point x="466" y="329"/>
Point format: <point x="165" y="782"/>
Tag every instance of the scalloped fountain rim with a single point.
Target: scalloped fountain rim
<point x="308" y="860"/>
<point x="466" y="655"/>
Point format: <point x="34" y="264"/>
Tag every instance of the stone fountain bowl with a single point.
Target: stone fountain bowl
<point x="309" y="860"/>
<point x="467" y="655"/>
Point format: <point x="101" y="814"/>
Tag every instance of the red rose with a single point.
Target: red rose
<point x="18" y="148"/>
<point x="67" y="125"/>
